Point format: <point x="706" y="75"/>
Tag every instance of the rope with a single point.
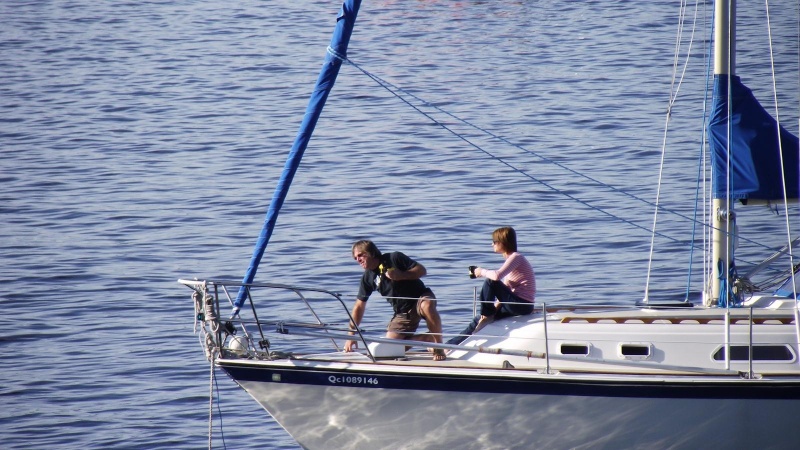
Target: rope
<point x="778" y="279"/>
<point x="208" y="310"/>
<point x="219" y="412"/>
<point x="337" y="55"/>
<point x="211" y="404"/>
<point x="205" y="315"/>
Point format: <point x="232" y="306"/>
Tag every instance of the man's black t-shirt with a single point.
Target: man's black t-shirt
<point x="403" y="294"/>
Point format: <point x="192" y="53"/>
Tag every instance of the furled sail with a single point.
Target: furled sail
<point x="755" y="150"/>
<point x="330" y="69"/>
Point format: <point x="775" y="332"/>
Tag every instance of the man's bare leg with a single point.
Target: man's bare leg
<point x="427" y="307"/>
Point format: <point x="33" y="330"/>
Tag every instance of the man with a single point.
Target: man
<point x="396" y="277"/>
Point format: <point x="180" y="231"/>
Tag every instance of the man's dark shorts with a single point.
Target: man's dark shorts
<point x="407" y="323"/>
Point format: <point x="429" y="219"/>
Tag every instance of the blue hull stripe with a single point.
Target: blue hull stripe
<point x="695" y="389"/>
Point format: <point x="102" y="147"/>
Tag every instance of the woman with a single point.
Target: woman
<point x="507" y="291"/>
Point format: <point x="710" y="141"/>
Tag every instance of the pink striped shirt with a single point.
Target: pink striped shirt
<point x="517" y="274"/>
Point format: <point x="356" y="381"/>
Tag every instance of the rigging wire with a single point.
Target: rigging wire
<point x="404" y="95"/>
<point x="780" y="152"/>
<point x="673" y="96"/>
<point x="397" y="91"/>
<point x="391" y="88"/>
<point x="701" y="166"/>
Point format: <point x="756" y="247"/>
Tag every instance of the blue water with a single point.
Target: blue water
<point x="141" y="143"/>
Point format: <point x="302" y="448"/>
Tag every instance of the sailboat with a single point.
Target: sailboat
<point x="723" y="372"/>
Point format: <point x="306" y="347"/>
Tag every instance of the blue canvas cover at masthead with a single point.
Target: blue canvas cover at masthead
<point x="755" y="158"/>
<point x="330" y="69"/>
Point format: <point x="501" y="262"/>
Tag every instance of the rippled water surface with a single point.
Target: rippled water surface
<point x="141" y="143"/>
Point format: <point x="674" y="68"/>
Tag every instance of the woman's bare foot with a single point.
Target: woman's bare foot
<point x="484" y="320"/>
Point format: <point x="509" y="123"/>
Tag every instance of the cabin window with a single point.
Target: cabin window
<point x="760" y="353"/>
<point x="635" y="350"/>
<point x="575" y="349"/>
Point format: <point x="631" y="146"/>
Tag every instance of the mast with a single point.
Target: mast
<point x="337" y="53"/>
<point x="722" y="215"/>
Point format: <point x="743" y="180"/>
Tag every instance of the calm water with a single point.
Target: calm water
<point x="141" y="142"/>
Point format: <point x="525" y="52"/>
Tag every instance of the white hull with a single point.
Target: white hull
<point x="418" y="413"/>
<point x="575" y="377"/>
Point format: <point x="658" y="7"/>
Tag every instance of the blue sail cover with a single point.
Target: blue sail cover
<point x="330" y="69"/>
<point x="755" y="158"/>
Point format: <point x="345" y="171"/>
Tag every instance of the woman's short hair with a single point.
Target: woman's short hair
<point x="507" y="237"/>
<point x="366" y="246"/>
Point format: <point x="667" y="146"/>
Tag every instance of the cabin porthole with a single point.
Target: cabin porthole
<point x="763" y="353"/>
<point x="635" y="350"/>
<point x="575" y="349"/>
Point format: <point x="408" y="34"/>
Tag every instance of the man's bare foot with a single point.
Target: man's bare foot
<point x="438" y="354"/>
